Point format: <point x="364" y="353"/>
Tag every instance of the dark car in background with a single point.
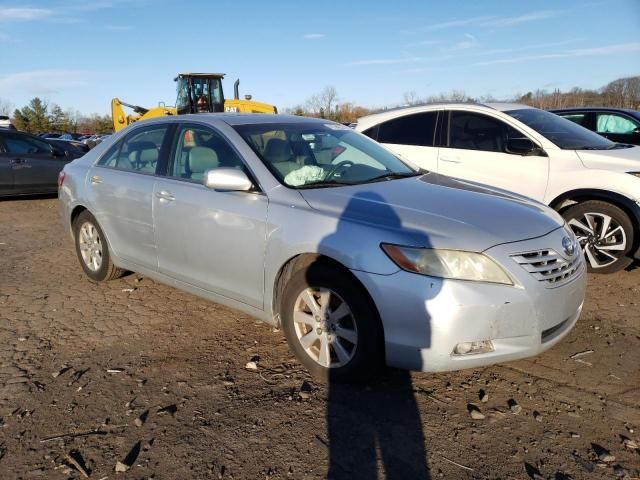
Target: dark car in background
<point x="49" y="135"/>
<point x="72" y="148"/>
<point x="30" y="165"/>
<point x="617" y="124"/>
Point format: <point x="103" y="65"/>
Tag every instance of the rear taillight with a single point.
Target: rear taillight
<point x="61" y="176"/>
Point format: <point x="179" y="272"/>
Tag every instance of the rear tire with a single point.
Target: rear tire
<point x="331" y="325"/>
<point x="92" y="249"/>
<point x="605" y="233"/>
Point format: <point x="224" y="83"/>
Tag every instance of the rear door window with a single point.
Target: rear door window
<point x="417" y="129"/>
<point x="139" y="152"/>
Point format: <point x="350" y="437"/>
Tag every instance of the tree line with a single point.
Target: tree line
<point x="621" y="93"/>
<point x="38" y="116"/>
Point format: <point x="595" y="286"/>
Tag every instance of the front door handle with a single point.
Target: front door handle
<point x="450" y="159"/>
<point x="165" y="195"/>
<point x="96" y="179"/>
<point x="17" y="161"/>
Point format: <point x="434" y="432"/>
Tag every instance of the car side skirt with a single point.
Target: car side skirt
<point x="194" y="290"/>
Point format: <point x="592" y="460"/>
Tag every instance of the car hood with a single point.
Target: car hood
<point x="623" y="159"/>
<point x="450" y="213"/>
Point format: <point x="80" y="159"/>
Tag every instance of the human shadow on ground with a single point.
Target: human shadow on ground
<point x="376" y="426"/>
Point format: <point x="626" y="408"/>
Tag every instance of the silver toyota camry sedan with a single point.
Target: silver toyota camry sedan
<point x="361" y="258"/>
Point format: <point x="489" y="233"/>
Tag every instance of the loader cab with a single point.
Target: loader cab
<point x="199" y="93"/>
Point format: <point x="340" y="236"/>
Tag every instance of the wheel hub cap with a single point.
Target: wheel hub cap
<point x="603" y="239"/>
<point x="325" y="327"/>
<point x="90" y="246"/>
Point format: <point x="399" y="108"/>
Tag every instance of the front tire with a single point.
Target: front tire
<point x="605" y="233"/>
<point x="92" y="249"/>
<point x="331" y="325"/>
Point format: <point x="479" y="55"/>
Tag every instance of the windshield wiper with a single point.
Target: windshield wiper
<point x="324" y="183"/>
<point x="393" y="176"/>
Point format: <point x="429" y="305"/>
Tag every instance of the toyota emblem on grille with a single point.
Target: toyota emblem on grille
<point x="569" y="246"/>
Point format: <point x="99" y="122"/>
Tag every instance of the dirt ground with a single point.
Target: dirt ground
<point x="135" y="372"/>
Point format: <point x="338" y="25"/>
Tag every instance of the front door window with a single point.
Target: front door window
<point x="616" y="124"/>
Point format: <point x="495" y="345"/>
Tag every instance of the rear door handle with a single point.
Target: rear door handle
<point x="96" y="179"/>
<point x="450" y="159"/>
<point x="17" y="161"/>
<point x="165" y="195"/>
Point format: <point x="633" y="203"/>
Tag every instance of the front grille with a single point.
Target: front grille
<point x="550" y="267"/>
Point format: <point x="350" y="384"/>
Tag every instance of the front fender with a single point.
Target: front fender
<point x="304" y="231"/>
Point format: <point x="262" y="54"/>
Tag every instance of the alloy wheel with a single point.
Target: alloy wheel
<point x="601" y="237"/>
<point x="325" y="327"/>
<point x="90" y="246"/>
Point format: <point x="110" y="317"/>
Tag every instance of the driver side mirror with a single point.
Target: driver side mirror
<point x="636" y="131"/>
<point x="524" y="147"/>
<point x="227" y="179"/>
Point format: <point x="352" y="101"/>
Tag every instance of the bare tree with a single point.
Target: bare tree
<point x="6" y="107"/>
<point x="624" y="92"/>
<point x="488" y="98"/>
<point x="633" y="88"/>
<point x="411" y="98"/>
<point x="452" y="96"/>
<point x="323" y="103"/>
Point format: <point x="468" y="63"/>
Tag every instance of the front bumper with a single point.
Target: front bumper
<point x="424" y="318"/>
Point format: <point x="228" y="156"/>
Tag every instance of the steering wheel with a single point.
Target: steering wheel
<point x="337" y="167"/>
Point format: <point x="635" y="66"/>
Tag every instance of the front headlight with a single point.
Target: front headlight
<point x="454" y="264"/>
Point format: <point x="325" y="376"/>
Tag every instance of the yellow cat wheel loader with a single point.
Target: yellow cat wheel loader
<point x="197" y="93"/>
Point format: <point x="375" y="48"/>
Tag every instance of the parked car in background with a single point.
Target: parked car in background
<point x="96" y="139"/>
<point x="617" y="124"/>
<point x="304" y="223"/>
<point x="50" y="135"/>
<point x="29" y="164"/>
<point x="593" y="182"/>
<point x="72" y="148"/>
<point x="5" y="122"/>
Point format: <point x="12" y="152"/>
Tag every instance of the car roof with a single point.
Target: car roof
<point x="595" y="109"/>
<point x="506" y="107"/>
<point x="375" y="118"/>
<point x="248" y="118"/>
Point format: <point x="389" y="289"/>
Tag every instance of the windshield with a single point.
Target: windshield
<point x="314" y="155"/>
<point x="564" y="133"/>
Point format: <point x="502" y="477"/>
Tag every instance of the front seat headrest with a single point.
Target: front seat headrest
<point x="202" y="159"/>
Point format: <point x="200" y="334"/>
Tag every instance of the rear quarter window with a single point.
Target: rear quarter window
<point x="372" y="132"/>
<point x="417" y="129"/>
<point x="578" y="118"/>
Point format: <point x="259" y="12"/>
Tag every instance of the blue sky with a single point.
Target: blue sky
<point x="80" y="54"/>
